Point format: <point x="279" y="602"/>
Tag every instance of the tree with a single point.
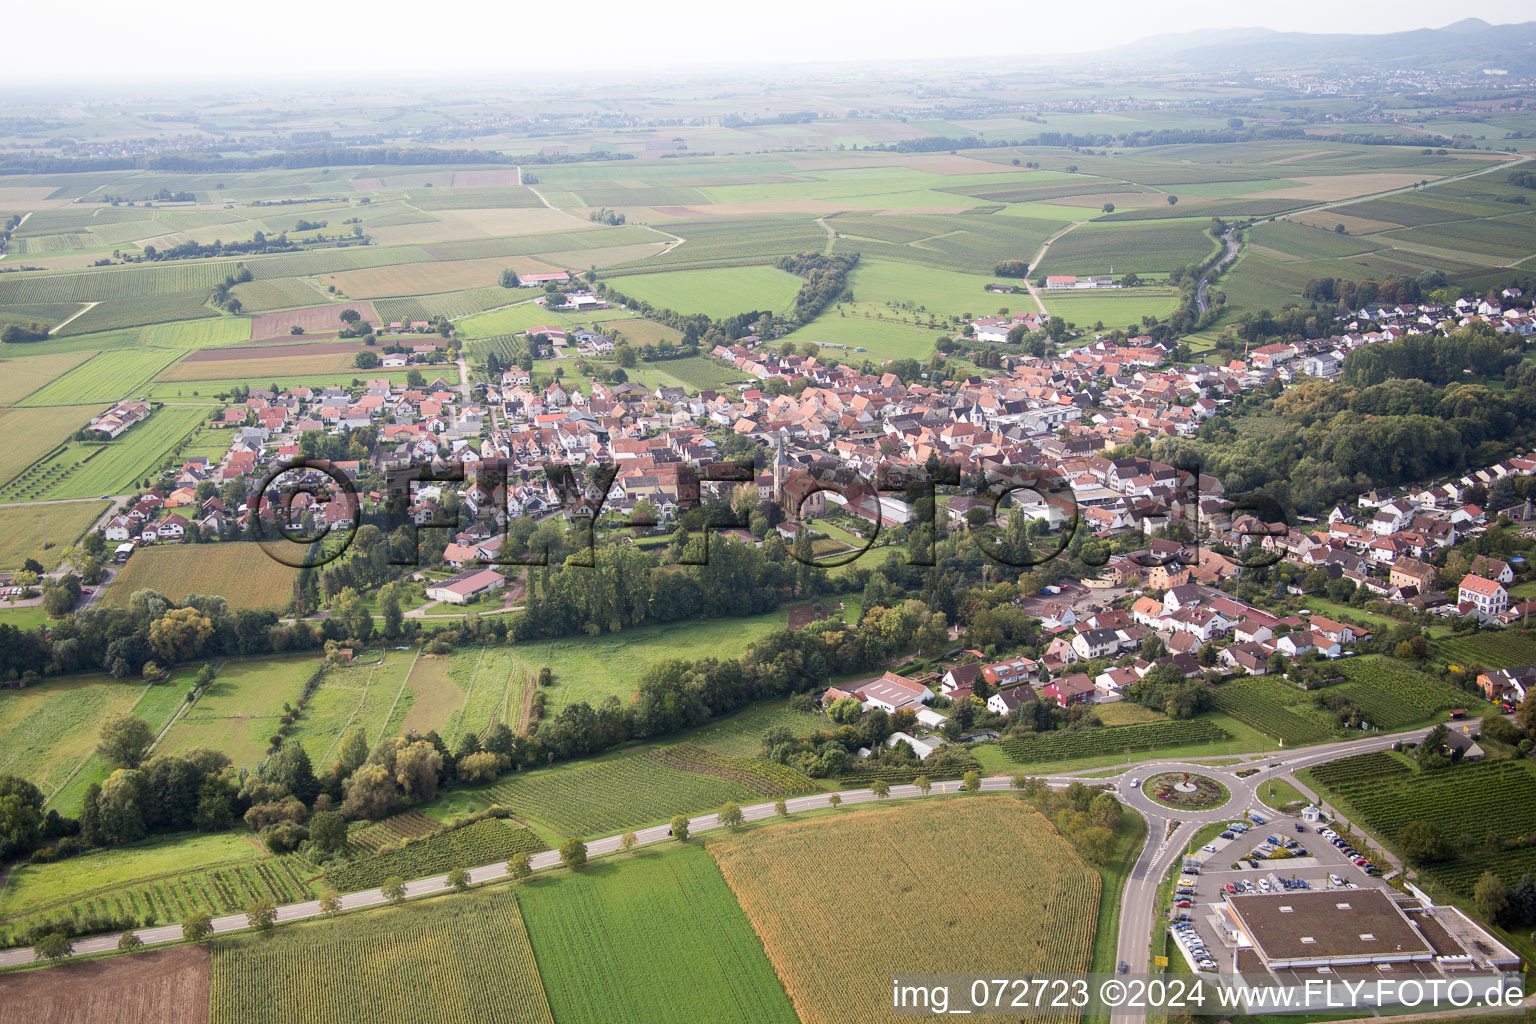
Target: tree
<point x="1173" y="200"/>
<point x="835" y="800"/>
<point x="328" y="832"/>
<point x="573" y="854"/>
<point x="730" y="815"/>
<point x="389" y="607"/>
<point x="21" y="815"/>
<point x="923" y="784"/>
<point x="518" y="866"/>
<point x="349" y="316"/>
<point x="53" y="947"/>
<point x="459" y="879"/>
<point x="509" y="278"/>
<point x="970" y="782"/>
<point x="330" y="903"/>
<point x="1491" y="897"/>
<point x="1108" y="207"/>
<point x="880" y="788"/>
<point x="129" y="942"/>
<point x="628" y="840"/>
<point x="781" y="808"/>
<point x="1525" y="715"/>
<point x="197" y="928"/>
<point x="393" y="890"/>
<point x="262" y="915"/>
<point x="680" y="828"/>
<point x="1422" y="843"/>
<point x="125" y="739"/>
<point x="417" y="768"/>
<point x="354" y="749"/>
<point x="365" y="360"/>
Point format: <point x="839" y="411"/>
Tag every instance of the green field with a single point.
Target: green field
<point x="31" y="434"/>
<point x="1275" y="708"/>
<point x="590" y="668"/>
<point x="595" y="798"/>
<point x="82" y="469"/>
<point x="609" y="941"/>
<point x="1492" y="649"/>
<point x="165" y="878"/>
<point x="860" y="330"/>
<point x="240" y="711"/>
<point x="720" y="293"/>
<point x="20" y="377"/>
<point x="696" y="374"/>
<point x="741" y="734"/>
<point x="459" y="958"/>
<point x="930" y="289"/>
<point x="1148" y="247"/>
<point x="23" y="530"/>
<point x="50" y="728"/>
<point x="371" y="693"/>
<point x="1118" y="308"/>
<point x="157" y="705"/>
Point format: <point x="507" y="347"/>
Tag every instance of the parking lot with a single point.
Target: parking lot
<point x="1240" y="864"/>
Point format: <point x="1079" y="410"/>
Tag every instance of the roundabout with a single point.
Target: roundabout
<point x="1186" y="791"/>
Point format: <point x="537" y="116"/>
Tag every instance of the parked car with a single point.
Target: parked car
<point x="1229" y="835"/>
<point x="1300" y="827"/>
<point x="1231" y="888"/>
<point x="1335" y="879"/>
<point x="1182" y="903"/>
<point x="1256" y="819"/>
<point x="1208" y="848"/>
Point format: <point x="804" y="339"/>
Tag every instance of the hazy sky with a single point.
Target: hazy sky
<point x="347" y="38"/>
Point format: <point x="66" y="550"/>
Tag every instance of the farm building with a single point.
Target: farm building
<point x="540" y="280"/>
<point x="887" y="692"/>
<point x="1067" y="282"/>
<point x="467" y="586"/>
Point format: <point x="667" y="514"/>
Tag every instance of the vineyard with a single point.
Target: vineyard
<point x="1492" y="649"/>
<point x="460" y="959"/>
<point x="1461" y="875"/>
<point x="1375" y="765"/>
<point x="1394" y="696"/>
<point x="169" y="898"/>
<point x="1275" y="708"/>
<point x="602" y="797"/>
<point x="392" y="831"/>
<point x="485" y="842"/>
<point x="743" y="734"/>
<point x="836" y="956"/>
<point x="1061" y="746"/>
<point x="945" y="764"/>
<point x="1467" y="801"/>
<point x="657" y="937"/>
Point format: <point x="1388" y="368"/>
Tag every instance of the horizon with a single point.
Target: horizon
<point x="614" y="41"/>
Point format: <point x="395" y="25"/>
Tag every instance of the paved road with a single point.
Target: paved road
<point x="1029" y="283"/>
<point x="1137" y="909"/>
<point x="1230" y="238"/>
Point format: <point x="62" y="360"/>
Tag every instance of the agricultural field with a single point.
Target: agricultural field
<point x="166" y="877"/>
<point x="1117" y="308"/>
<point x="742" y="734"/>
<point x="371" y="692"/>
<point x="1468" y="802"/>
<point x="836" y="956"/>
<point x="20" y="377"/>
<point x="695" y="374"/>
<point x="261" y="364"/>
<point x="460" y="958"/>
<point x="590" y="668"/>
<point x="31" y="434"/>
<point x="49" y="729"/>
<point x="86" y="469"/>
<point x="600" y="797"/>
<point x="22" y="531"/>
<point x="1275" y="708"/>
<point x="719" y="293"/>
<point x="609" y="942"/>
<point x="855" y="331"/>
<point x="240" y="710"/>
<point x="109" y="377"/>
<point x="484" y="842"/>
<point x="1395" y="696"/>
<point x="240" y="572"/>
<point x="1492" y="649"/>
<point x="1061" y="746"/>
<point x="1146" y="247"/>
<point x="318" y="320"/>
<point x="167" y="986"/>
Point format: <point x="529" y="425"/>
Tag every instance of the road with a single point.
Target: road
<point x="1138" y="908"/>
<point x="1029" y="283"/>
<point x="1230" y="238"/>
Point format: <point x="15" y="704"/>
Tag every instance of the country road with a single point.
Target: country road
<point x="1138" y="908"/>
<point x="1230" y="238"/>
<point x="1029" y="284"/>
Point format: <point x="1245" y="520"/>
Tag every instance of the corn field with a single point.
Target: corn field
<point x="1017" y="898"/>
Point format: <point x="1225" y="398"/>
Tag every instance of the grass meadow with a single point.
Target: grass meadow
<point x="22" y="530"/>
<point x="720" y="293"/>
<point x="241" y="573"/>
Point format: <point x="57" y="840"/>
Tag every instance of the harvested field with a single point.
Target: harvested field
<point x="1328" y="187"/>
<point x="20" y="377"/>
<point x="167" y="986"/>
<point x="272" y="352"/>
<point x="835" y="957"/>
<point x="22" y="530"/>
<point x="33" y="433"/>
<point x="241" y="572"/>
<point x="499" y="221"/>
<point x="428" y="278"/>
<point x="485" y="179"/>
<point x="260" y="365"/>
<point x="314" y="319"/>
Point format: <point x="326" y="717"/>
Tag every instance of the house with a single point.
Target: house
<point x="922" y="748"/>
<point x="1338" y="632"/>
<point x="466" y="586"/>
<point x="1002" y="674"/>
<point x="1507" y="684"/>
<point x="1007" y="702"/>
<point x="1096" y="643"/>
<point x="1492" y="569"/>
<point x="1073" y="689"/>
<point x="1410" y="572"/>
<point x="1483" y="597"/>
<point x="958" y="677"/>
